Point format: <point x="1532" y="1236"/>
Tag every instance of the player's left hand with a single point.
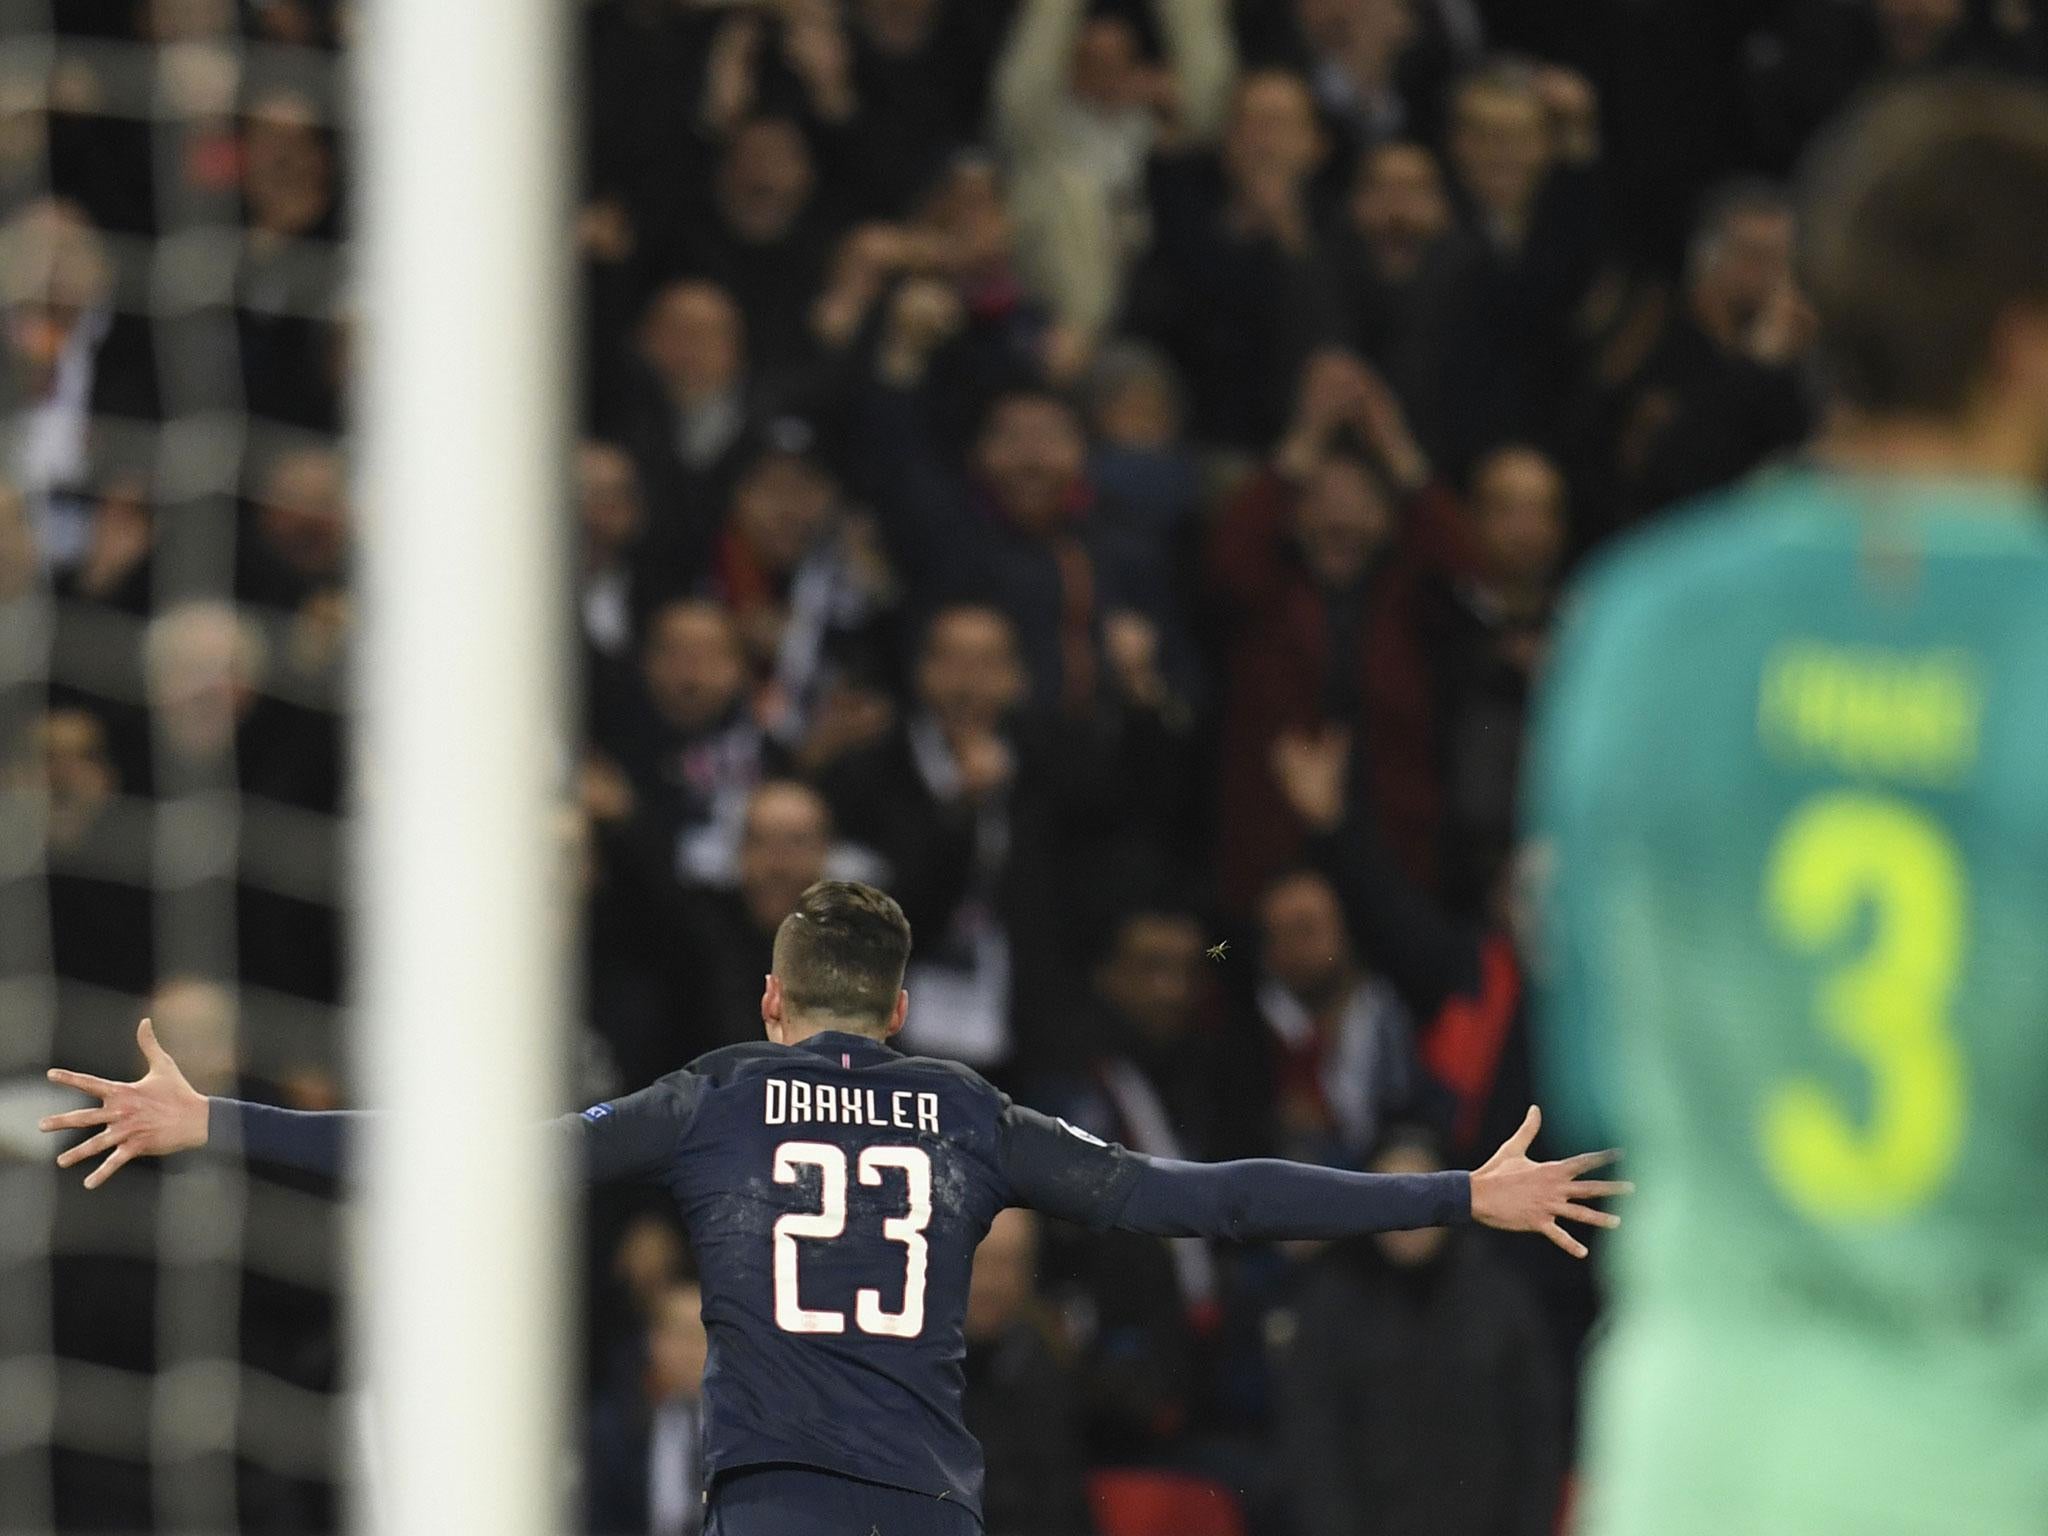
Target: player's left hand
<point x="157" y="1114"/>
<point x="1516" y="1195"/>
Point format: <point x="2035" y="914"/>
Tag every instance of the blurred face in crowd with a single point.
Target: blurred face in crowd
<point x="1005" y="1274"/>
<point x="1400" y="207"/>
<point x="1518" y="517"/>
<point x="1107" y="65"/>
<point x="1306" y="948"/>
<point x="53" y="270"/>
<point x="1343" y="26"/>
<point x="24" y="129"/>
<point x="1140" y="410"/>
<point x="676" y="1345"/>
<point x="78" y="776"/>
<point x="969" y="218"/>
<point x="1342" y="521"/>
<point x="1739" y="267"/>
<point x="766" y="179"/>
<point x="178" y="21"/>
<point x="783" y="505"/>
<point x="695" y="340"/>
<point x="607" y="501"/>
<point x="1153" y="976"/>
<point x="897" y="26"/>
<point x="17" y="546"/>
<point x="1500" y="145"/>
<point x="304" y="515"/>
<point x="969" y="675"/>
<point x="783" y="843"/>
<point x="1272" y="129"/>
<point x="693" y="664"/>
<point x="648" y="1260"/>
<point x="1030" y="456"/>
<point x="1914" y="31"/>
<point x="196" y="1021"/>
<point x="204" y="666"/>
<point x="286" y="171"/>
<point x="1409" y="1249"/>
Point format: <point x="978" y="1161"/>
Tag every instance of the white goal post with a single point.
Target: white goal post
<point x="459" y="1323"/>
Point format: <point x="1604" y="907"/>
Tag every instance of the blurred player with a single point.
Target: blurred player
<point x="1793" y="775"/>
<point x="835" y="1192"/>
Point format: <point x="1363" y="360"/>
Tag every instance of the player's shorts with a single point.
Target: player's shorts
<point x="803" y="1501"/>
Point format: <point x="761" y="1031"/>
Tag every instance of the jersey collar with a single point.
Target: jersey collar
<point x="839" y="1042"/>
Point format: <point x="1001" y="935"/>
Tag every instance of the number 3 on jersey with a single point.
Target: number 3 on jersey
<point x="1839" y="855"/>
<point x="829" y="1221"/>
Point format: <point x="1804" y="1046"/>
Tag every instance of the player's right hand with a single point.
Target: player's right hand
<point x="157" y="1114"/>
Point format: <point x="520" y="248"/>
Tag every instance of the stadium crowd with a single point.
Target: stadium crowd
<point x="1102" y="470"/>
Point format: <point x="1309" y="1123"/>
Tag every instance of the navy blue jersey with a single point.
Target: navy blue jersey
<point x="835" y="1192"/>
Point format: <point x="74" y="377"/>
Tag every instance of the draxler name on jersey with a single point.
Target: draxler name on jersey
<point x="793" y="1101"/>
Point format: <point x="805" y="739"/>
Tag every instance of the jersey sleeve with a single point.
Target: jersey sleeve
<point x="1050" y="1166"/>
<point x="1063" y="1172"/>
<point x="626" y="1138"/>
<point x="639" y="1135"/>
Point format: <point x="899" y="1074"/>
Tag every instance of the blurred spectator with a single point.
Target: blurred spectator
<point x="1412" y="279"/>
<point x="645" y="1472"/>
<point x="98" y="848"/>
<point x="1524" y="147"/>
<point x="1816" y="54"/>
<point x="1143" y="462"/>
<point x="1486" y="644"/>
<point x="287" y="286"/>
<point x="763" y="240"/>
<point x="1239" y="286"/>
<point x="785" y="837"/>
<point x="1019" y="1401"/>
<point x="198" y="1022"/>
<point x="1319" y="565"/>
<point x="70" y="363"/>
<point x="1377" y="67"/>
<point x="303" y="530"/>
<point x="689" y="741"/>
<point x="1338" y="1037"/>
<point x="978" y="812"/>
<point x="683" y="405"/>
<point x="921" y="71"/>
<point x="206" y="666"/>
<point x="1077" y="110"/>
<point x="611" y="522"/>
<point x="1418" y="1393"/>
<point x="1022" y="530"/>
<point x="805" y="583"/>
<point x="1722" y="387"/>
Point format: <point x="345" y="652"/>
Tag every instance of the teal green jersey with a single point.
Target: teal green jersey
<point x="1790" y="788"/>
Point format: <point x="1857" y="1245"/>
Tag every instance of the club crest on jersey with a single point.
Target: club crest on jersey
<point x="597" y="1112"/>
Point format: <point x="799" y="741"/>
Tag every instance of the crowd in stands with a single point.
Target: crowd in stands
<point x="1102" y="469"/>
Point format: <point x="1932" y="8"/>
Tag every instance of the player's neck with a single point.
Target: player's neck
<point x="796" y="1031"/>
<point x="1981" y="447"/>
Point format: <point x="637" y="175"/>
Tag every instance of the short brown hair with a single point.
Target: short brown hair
<point x="1924" y="223"/>
<point x="842" y="952"/>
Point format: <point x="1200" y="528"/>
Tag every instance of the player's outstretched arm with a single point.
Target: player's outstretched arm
<point x="160" y="1113"/>
<point x="1066" y="1174"/>
<point x="154" y="1116"/>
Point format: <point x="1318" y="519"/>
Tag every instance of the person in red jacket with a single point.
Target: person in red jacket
<point x="1319" y="566"/>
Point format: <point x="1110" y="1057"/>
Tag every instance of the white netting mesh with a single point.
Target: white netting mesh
<point x="173" y="550"/>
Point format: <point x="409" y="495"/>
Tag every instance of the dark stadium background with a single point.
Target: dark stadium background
<point x="1105" y="470"/>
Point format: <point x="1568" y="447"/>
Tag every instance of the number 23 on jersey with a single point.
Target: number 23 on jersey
<point x="829" y="1222"/>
